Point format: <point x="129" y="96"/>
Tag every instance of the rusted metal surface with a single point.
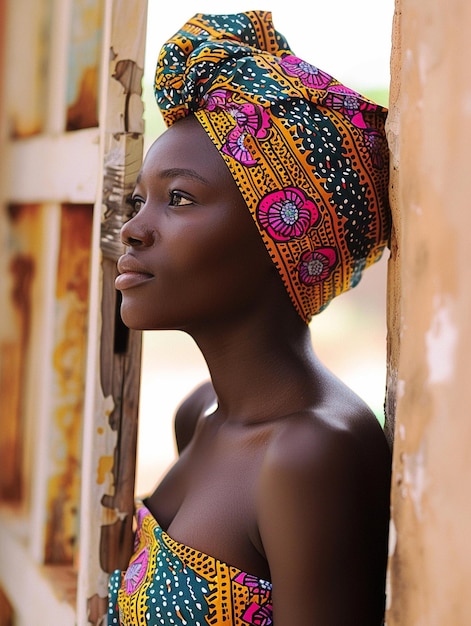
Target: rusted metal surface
<point x="69" y="359"/>
<point x="86" y="26"/>
<point x="6" y="611"/>
<point x="18" y="254"/>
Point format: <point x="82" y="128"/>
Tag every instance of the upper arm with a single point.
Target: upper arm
<point x="189" y="411"/>
<point x="315" y="512"/>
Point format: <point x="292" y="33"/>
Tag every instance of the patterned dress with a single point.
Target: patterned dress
<point x="168" y="583"/>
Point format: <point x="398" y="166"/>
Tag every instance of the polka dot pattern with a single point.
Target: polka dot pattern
<point x="168" y="583"/>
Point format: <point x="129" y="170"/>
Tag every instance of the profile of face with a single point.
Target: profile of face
<point x="194" y="255"/>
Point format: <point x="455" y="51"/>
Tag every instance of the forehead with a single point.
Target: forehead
<point x="186" y="146"/>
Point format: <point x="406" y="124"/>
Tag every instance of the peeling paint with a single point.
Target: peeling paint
<point x="392" y="538"/>
<point x="440" y="341"/>
<point x="130" y="75"/>
<point x="415" y="478"/>
<point x="401" y="388"/>
<point x="112" y="516"/>
<point x="391" y="551"/>
<point x="105" y="466"/>
<point x="122" y="163"/>
<point x="97" y="610"/>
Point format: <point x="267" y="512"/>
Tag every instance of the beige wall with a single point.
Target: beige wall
<point x="430" y="314"/>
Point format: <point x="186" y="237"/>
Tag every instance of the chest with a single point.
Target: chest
<point x="208" y="500"/>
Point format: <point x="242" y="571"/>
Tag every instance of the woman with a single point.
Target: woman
<point x="276" y="510"/>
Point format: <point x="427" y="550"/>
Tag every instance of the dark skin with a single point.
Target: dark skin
<point x="288" y="478"/>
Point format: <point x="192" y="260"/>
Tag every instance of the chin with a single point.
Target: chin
<point x="132" y="320"/>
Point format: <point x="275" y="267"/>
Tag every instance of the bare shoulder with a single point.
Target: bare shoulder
<point x="325" y="482"/>
<point x="196" y="404"/>
<point x="340" y="432"/>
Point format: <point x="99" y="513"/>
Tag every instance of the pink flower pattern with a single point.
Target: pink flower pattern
<point x="216" y="99"/>
<point x="374" y="142"/>
<point x="256" y="613"/>
<point x="349" y="103"/>
<point x="310" y="76"/>
<point x="250" y="119"/>
<point x="136" y="571"/>
<point x="316" y="266"/>
<point x="287" y="214"/>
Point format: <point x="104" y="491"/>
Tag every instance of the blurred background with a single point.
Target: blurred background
<point x="351" y="41"/>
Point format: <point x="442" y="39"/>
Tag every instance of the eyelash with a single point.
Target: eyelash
<point x="132" y="202"/>
<point x="175" y="200"/>
<point x="173" y="195"/>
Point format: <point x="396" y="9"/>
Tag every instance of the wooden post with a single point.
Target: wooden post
<point x="114" y="352"/>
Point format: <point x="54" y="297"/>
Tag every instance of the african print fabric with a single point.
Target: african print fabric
<point x="308" y="154"/>
<point x="168" y="583"/>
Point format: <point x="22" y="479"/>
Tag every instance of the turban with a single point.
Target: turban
<point x="308" y="154"/>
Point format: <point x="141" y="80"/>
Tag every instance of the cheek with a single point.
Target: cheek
<point x="226" y="264"/>
<point x="200" y="273"/>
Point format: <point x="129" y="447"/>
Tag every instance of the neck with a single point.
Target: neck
<point x="261" y="367"/>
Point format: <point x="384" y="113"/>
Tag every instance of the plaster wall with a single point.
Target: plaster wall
<point x="429" y="314"/>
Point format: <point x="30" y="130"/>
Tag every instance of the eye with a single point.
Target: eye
<point x="135" y="203"/>
<point x="179" y="199"/>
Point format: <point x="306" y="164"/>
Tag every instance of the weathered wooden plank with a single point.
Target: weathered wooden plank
<point x="112" y="411"/>
<point x="112" y="396"/>
<point x="120" y="354"/>
<point x="39" y="595"/>
<point x="57" y="168"/>
<point x="26" y="79"/>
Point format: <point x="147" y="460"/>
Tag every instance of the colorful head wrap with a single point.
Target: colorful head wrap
<point x="309" y="155"/>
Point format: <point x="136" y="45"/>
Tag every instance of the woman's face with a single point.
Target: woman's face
<point x="194" y="253"/>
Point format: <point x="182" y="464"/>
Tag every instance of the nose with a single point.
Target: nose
<point x="137" y="233"/>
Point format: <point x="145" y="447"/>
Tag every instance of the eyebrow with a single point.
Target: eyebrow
<point x="178" y="171"/>
<point x="182" y="171"/>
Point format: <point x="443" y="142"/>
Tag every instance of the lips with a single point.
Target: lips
<point x="131" y="273"/>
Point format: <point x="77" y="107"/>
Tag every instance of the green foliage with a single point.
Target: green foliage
<point x="379" y="95"/>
